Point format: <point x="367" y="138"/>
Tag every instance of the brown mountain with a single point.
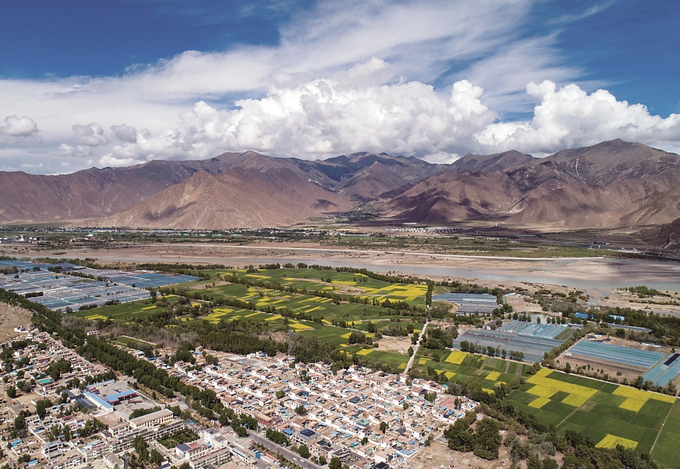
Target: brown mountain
<point x="97" y="193"/>
<point x="607" y="185"/>
<point x="237" y="198"/>
<point x="610" y="184"/>
<point x="665" y="237"/>
<point x="363" y="177"/>
<point x="498" y="162"/>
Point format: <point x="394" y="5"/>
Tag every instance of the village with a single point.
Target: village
<point x="61" y="411"/>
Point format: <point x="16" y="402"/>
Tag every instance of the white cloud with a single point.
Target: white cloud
<point x="125" y="133"/>
<point x="347" y="76"/>
<point x="31" y="166"/>
<point x="19" y="126"/>
<point x="91" y="135"/>
<point x="326" y="117"/>
<point x="112" y="161"/>
<point x="68" y="150"/>
<point x="569" y="117"/>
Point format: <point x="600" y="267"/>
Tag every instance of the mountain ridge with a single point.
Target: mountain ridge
<point x="610" y="184"/>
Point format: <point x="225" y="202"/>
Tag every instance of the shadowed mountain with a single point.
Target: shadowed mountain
<point x="664" y="237"/>
<point x="363" y="177"/>
<point x="505" y="161"/>
<point x="610" y="184"/>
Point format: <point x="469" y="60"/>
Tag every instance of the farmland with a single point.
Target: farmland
<point x="300" y="299"/>
<point x="332" y="306"/>
<point x="469" y="368"/>
<point x="607" y="413"/>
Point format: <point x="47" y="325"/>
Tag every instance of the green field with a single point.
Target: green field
<point x="122" y="311"/>
<point x="607" y="413"/>
<point x="132" y="343"/>
<point x="322" y="312"/>
<point x="469" y="368"/>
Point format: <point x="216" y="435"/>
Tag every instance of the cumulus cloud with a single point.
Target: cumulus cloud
<point x="350" y="75"/>
<point x="115" y="162"/>
<point x="569" y="117"/>
<point x="357" y="111"/>
<point x="19" y="127"/>
<point x="91" y="135"/>
<point x="125" y="133"/>
<point x="327" y="117"/>
<point x="68" y="150"/>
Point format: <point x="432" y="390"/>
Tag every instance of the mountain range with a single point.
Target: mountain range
<point x="611" y="184"/>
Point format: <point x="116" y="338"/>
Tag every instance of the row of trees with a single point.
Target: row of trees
<point x="472" y="347"/>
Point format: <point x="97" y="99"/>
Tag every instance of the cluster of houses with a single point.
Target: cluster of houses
<point x="342" y="413"/>
<point x="365" y="418"/>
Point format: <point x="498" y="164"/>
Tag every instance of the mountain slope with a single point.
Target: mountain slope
<point x="664" y="236"/>
<point x="237" y="198"/>
<point x="505" y="161"/>
<point x="610" y="184"/>
<point x="103" y="192"/>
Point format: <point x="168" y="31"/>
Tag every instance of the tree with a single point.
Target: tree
<point x="280" y="394"/>
<point x="41" y="406"/>
<point x="11" y="392"/>
<point x="383" y="426"/>
<point x="404" y="405"/>
<point x="141" y="448"/>
<point x="20" y="422"/>
<point x="364" y="440"/>
<point x="410" y="351"/>
<point x="303" y="451"/>
<point x="300" y="410"/>
<point x="322" y="460"/>
<point x="156" y="457"/>
<point x="534" y="463"/>
<point x="567" y="368"/>
<point x="550" y="463"/>
<point x="335" y="463"/>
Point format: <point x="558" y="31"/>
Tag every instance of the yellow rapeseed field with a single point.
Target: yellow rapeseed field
<point x="611" y="441"/>
<point x="546" y="387"/>
<point x="456" y="357"/>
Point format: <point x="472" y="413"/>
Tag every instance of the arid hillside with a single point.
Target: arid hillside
<point x="611" y="184"/>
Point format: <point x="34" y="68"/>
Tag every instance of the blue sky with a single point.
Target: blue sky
<point x="114" y="83"/>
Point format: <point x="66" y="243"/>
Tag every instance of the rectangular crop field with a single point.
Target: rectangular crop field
<point x="606" y="412"/>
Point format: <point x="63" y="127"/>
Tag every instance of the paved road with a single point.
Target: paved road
<point x="290" y="455"/>
<point x="415" y="349"/>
